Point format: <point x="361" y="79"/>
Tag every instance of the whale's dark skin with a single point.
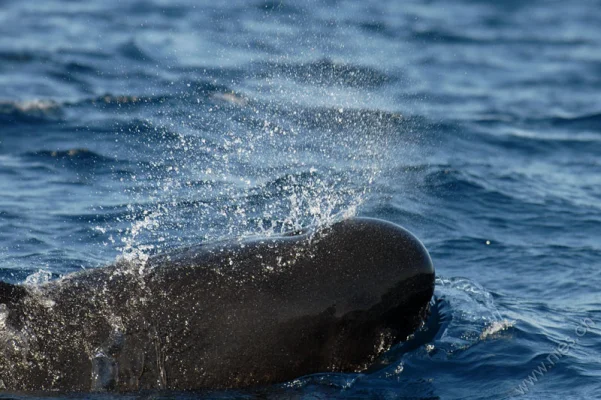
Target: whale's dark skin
<point x="225" y="315"/>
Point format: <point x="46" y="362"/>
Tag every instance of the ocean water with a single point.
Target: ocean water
<point x="131" y="128"/>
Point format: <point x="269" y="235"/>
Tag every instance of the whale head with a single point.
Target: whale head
<point x="372" y="281"/>
<point x="383" y="279"/>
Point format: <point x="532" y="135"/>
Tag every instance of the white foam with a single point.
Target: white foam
<point x="495" y="327"/>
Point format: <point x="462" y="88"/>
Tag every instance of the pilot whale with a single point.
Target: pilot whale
<point x="223" y="315"/>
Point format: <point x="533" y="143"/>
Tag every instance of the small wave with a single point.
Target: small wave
<point x="277" y="6"/>
<point x="30" y="111"/>
<point x="77" y="153"/>
<point x="162" y="9"/>
<point x="443" y="36"/>
<point x="587" y="121"/>
<point x="326" y="72"/>
<point x="79" y="67"/>
<point x="195" y="91"/>
<point x="116" y="100"/>
<point x="481" y="190"/>
<point x="22" y="56"/>
<point x="361" y="120"/>
<point x="378" y="27"/>
<point x="566" y="138"/>
<point x="231" y="98"/>
<point x="440" y="36"/>
<point x="102" y="215"/>
<point x="84" y="53"/>
<point x="133" y="51"/>
<point x="205" y="88"/>
<point x="71" y="153"/>
<point x="445" y="179"/>
<point x="144" y="128"/>
<point x="120" y="100"/>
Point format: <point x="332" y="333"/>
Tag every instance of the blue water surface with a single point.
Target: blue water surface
<point x="131" y="127"/>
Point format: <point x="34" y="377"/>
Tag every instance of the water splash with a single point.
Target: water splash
<point x="3" y="316"/>
<point x="104" y="371"/>
<point x="253" y="169"/>
<point x="38" y="278"/>
<point x="495" y="327"/>
<point x="132" y="252"/>
<point x="474" y="315"/>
